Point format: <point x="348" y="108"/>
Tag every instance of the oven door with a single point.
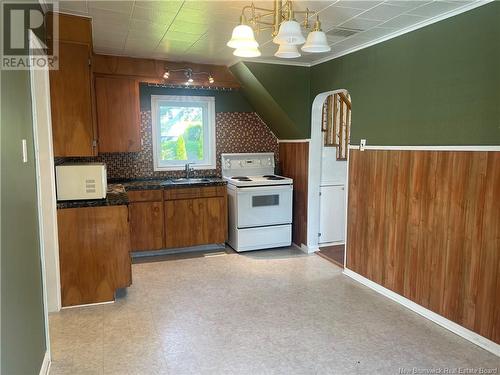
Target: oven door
<point x="264" y="205"/>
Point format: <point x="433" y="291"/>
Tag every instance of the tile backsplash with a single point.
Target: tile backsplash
<point x="235" y="132"/>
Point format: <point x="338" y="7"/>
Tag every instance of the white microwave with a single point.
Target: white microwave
<point x="81" y="181"/>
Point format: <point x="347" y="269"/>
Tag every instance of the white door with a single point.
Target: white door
<point x="332" y="214"/>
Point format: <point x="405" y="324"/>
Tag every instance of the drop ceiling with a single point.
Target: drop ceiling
<point x="197" y="30"/>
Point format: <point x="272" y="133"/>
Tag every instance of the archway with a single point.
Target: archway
<point x="315" y="171"/>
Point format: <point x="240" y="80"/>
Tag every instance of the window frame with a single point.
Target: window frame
<point x="207" y="102"/>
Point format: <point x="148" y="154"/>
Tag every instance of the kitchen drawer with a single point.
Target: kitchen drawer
<point x="145" y="195"/>
<point x="195" y="192"/>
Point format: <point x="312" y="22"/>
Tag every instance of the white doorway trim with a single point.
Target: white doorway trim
<point x="45" y="185"/>
<point x="314" y="180"/>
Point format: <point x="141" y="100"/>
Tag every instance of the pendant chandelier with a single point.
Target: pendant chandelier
<point x="286" y="31"/>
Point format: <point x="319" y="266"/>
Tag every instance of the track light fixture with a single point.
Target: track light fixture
<point x="189" y="74"/>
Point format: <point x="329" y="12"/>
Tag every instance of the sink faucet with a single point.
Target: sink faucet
<point x="188" y="170"/>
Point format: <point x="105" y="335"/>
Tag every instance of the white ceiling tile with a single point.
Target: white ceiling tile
<point x="161" y="5"/>
<point x="334" y="39"/>
<point x="148" y="43"/>
<point x="109" y="38"/>
<point x="188" y="27"/>
<point x="383" y="12"/>
<point x="376" y="33"/>
<point x="436" y="8"/>
<point x="359" y="4"/>
<point x="403" y="21"/>
<point x="334" y="15"/>
<point x="109" y="17"/>
<point x="360" y="23"/>
<point x="409" y="4"/>
<point x="102" y="28"/>
<point x="198" y="30"/>
<point x="115" y="6"/>
<point x="147" y="28"/>
<point x="183" y="37"/>
<point x="77" y="7"/>
<point x="171" y="46"/>
<point x="312" y="5"/>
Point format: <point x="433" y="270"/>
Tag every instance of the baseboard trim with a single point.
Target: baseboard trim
<point x="334" y="243"/>
<point x="467" y="334"/>
<point x="45" y="369"/>
<point x="87" y="305"/>
<point x="308" y="250"/>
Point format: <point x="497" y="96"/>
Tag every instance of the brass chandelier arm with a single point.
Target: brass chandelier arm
<point x="281" y="12"/>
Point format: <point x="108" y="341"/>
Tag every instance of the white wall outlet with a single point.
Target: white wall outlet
<point x="362" y="145"/>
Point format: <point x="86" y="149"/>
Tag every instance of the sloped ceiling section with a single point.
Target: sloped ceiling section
<point x="279" y="94"/>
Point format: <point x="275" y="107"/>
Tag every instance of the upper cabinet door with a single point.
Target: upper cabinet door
<point x="118" y="121"/>
<point x="71" y="102"/>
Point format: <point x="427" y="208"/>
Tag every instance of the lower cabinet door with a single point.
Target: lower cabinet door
<point x="332" y="214"/>
<point x="146" y="226"/>
<point x="94" y="253"/>
<point x="192" y="222"/>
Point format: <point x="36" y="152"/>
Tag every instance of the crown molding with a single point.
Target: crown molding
<point x="267" y="61"/>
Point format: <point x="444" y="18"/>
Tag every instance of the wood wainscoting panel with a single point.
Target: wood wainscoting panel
<point x="294" y="161"/>
<point x="426" y="225"/>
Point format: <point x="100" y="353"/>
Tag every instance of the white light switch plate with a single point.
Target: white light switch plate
<point x="362" y="145"/>
<point x="25" y="150"/>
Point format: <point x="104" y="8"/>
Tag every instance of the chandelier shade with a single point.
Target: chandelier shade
<point x="242" y="37"/>
<point x="316" y="42"/>
<point x="247" y="52"/>
<point x="287" y="51"/>
<point x="289" y="33"/>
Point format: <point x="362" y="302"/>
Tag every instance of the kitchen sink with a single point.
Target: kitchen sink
<point x="190" y="180"/>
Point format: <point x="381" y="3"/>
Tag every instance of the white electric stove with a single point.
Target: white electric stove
<point x="259" y="202"/>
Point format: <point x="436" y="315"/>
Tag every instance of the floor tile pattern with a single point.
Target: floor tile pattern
<point x="267" y="312"/>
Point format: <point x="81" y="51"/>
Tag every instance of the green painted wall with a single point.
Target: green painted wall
<point x="225" y="101"/>
<point x="279" y="94"/>
<point x="439" y="85"/>
<point x="22" y="326"/>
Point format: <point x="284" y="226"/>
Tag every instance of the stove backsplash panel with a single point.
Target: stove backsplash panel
<point x="235" y="132"/>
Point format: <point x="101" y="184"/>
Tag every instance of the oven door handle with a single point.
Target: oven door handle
<point x="272" y="188"/>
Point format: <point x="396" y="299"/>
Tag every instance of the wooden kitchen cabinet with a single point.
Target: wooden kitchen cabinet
<point x="118" y="114"/>
<point x="195" y="216"/>
<point x="147" y="228"/>
<point x="71" y="102"/>
<point x="94" y="253"/>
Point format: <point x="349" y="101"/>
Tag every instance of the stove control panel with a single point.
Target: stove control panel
<point x="253" y="164"/>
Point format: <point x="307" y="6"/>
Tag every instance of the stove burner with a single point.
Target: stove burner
<point x="241" y="178"/>
<point x="274" y="178"/>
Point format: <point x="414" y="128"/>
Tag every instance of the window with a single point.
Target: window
<point x="183" y="132"/>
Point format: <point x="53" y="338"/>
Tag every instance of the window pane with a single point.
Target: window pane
<point x="181" y="133"/>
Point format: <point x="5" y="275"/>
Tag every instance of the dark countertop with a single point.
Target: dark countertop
<point x="154" y="184"/>
<point x="116" y="196"/>
<point x="117" y="191"/>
